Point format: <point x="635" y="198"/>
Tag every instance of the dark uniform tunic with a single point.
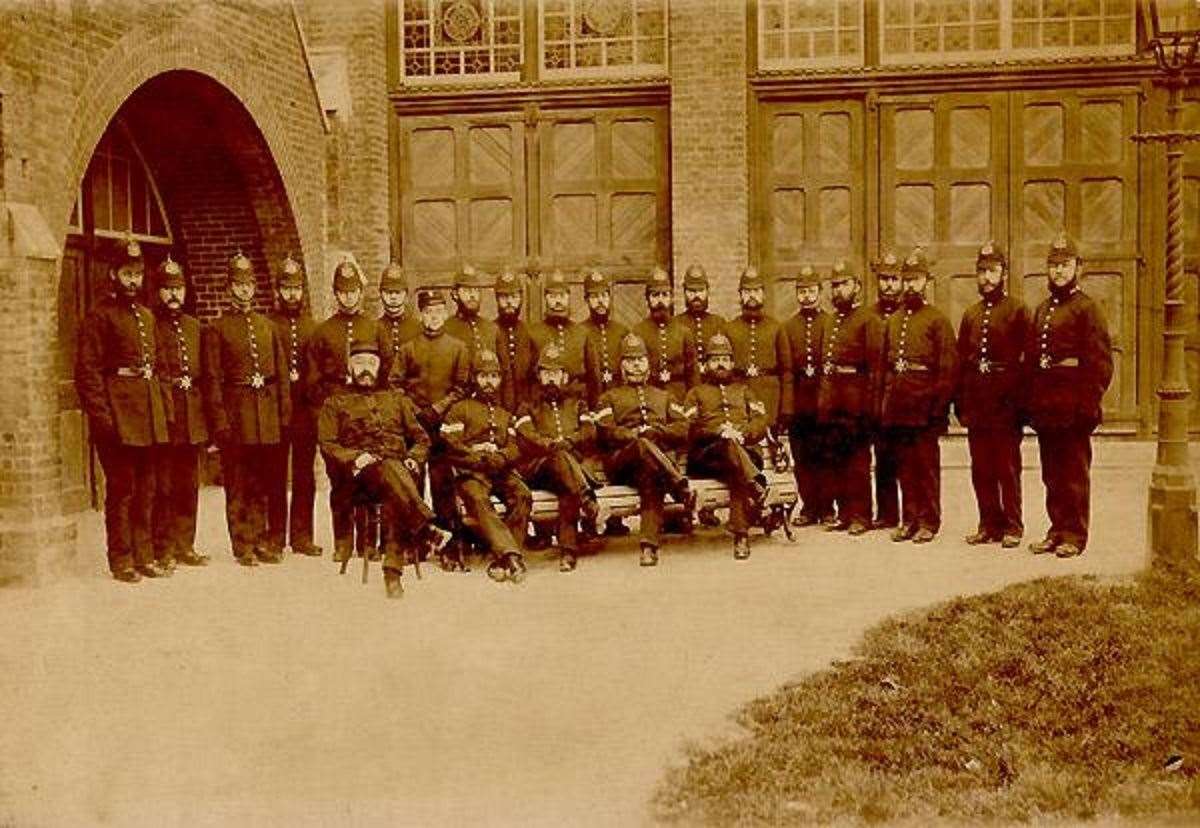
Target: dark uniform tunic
<point x="1069" y="365"/>
<point x="572" y="341"/>
<point x="553" y="436"/>
<point x="887" y="487"/>
<point x="762" y="356"/>
<point x="383" y="423"/>
<point x="603" y="355"/>
<point x="470" y="431"/>
<point x="918" y="381"/>
<point x="117" y="376"/>
<point x="327" y="356"/>
<point x="672" y="355"/>
<point x="804" y="333"/>
<point x="517" y="357"/>
<point x="991" y="337"/>
<point x="396" y="331"/>
<point x="738" y="465"/>
<point x="295" y="330"/>
<point x="637" y="425"/>
<point x="852" y="342"/>
<point x="248" y="394"/>
<point x="176" y="470"/>
<point x="477" y="333"/>
<point x="703" y="326"/>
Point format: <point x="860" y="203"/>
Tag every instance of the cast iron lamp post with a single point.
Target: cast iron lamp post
<point x="1172" y="528"/>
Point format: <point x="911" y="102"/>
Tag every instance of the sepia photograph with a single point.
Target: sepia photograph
<point x="599" y="413"/>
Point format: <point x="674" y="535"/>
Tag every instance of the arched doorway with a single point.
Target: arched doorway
<point x="182" y="168"/>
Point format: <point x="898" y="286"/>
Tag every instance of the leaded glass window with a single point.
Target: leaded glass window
<point x="810" y="33"/>
<point x="124" y="198"/>
<point x="611" y="37"/>
<point x="446" y="39"/>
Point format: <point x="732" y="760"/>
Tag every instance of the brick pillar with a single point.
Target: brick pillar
<point x="36" y="538"/>
<point x="709" y="164"/>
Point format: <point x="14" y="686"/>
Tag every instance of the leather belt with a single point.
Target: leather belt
<point x="903" y="366"/>
<point x="1065" y="362"/>
<point x="987" y="366"/>
<point x="141" y="371"/>
<point x="253" y="382"/>
<point x="185" y="382"/>
<point x="833" y="368"/>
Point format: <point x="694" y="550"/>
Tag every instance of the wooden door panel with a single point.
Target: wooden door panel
<point x="74" y="298"/>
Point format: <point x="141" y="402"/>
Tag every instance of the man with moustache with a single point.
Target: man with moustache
<point x="554" y="431"/>
<point x="515" y="347"/>
<point x="117" y="376"/>
<point x="399" y="326"/>
<point x="638" y="424"/>
<point x="805" y="334"/>
<point x="918" y="381"/>
<point x="760" y="349"/>
<point x="852" y="342"/>
<point x="249" y="397"/>
<point x="176" y="470"/>
<point x="477" y="333"/>
<point x="1069" y="366"/>
<point x="696" y="316"/>
<point x="482" y="449"/>
<point x="604" y="336"/>
<point x="569" y="337"/>
<point x="887" y="488"/>
<point x="727" y="422"/>
<point x="991" y="338"/>
<point x="370" y="435"/>
<point x="294" y="326"/>
<point x="668" y="339"/>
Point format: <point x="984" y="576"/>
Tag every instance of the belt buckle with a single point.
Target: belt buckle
<point x="257" y="380"/>
<point x="148" y="372"/>
<point x="607" y="377"/>
<point x="810" y="371"/>
<point x="984" y="366"/>
<point x="664" y="375"/>
<point x="185" y="382"/>
<point x="752" y="371"/>
<point x="901" y="365"/>
<point x="1044" y="361"/>
<point x="294" y="375"/>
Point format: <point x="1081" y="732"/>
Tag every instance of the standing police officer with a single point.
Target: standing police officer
<point x="887" y="488"/>
<point x="805" y="334"/>
<point x="399" y="325"/>
<point x="604" y="336"/>
<point x="668" y="339"/>
<point x="556" y="328"/>
<point x="477" y="333"/>
<point x="695" y="315"/>
<point x="760" y="349"/>
<point x="515" y="347"/>
<point x="1068" y="358"/>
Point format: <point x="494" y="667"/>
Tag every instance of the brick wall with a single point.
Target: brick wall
<point x="709" y="162"/>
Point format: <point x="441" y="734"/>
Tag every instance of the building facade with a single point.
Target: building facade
<point x="540" y="134"/>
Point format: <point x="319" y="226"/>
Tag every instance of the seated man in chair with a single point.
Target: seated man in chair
<point x="727" y="423"/>
<point x="482" y="450"/>
<point x="636" y="422"/>
<point x="372" y="437"/>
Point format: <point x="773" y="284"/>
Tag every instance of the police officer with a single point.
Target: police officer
<point x="805" y="334"/>
<point x="668" y="339"/>
<point x="371" y="436"/>
<point x="760" y="349"/>
<point x="481" y="447"/>
<point x="467" y="325"/>
<point x="569" y="337"/>
<point x="294" y="326"/>
<point x="248" y="393"/>
<point x="176" y="470"/>
<point x="991" y="338"/>
<point x="604" y="336"/>
<point x="117" y="377"/>
<point x="399" y="325"/>
<point x="851" y="345"/>
<point x="1068" y="358"/>
<point x="918" y="380"/>
<point x="554" y="431"/>
<point x="727" y="422"/>
<point x="702" y="323"/>
<point x="515" y="347"/>
<point x="887" y="488"/>
<point x="638" y="424"/>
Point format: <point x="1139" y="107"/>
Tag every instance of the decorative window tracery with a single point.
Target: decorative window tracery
<point x="446" y="39"/>
<point x="603" y="36"/>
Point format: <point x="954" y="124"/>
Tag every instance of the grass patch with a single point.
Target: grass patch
<point x="1061" y="697"/>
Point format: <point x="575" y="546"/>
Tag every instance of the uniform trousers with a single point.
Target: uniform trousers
<point x="300" y="446"/>
<point x="919" y="459"/>
<point x="807" y="439"/>
<point x="848" y="458"/>
<point x="255" y="497"/>
<point x="1066" y="455"/>
<point x="739" y="468"/>
<point x="887" y="486"/>
<point x="996" y="477"/>
<point x="176" y="472"/>
<point x="475" y="494"/>
<point x="128" y="503"/>
<point x="561" y="473"/>
<point x="644" y="466"/>
<point x="385" y="481"/>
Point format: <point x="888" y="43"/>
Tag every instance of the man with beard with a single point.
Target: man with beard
<point x="991" y="338"/>
<point x="805" y="337"/>
<point x="695" y="315"/>
<point x="603" y="335"/>
<point x="294" y="326"/>
<point x="1069" y="365"/>
<point x="845" y="399"/>
<point x="918" y="380"/>
<point x="248" y="391"/>
<point x="637" y="424"/>
<point x="553" y="432"/>
<point x="176" y="470"/>
<point x="371" y="436"/>
<point x="569" y="337"/>
<point x="482" y="449"/>
<point x="127" y="413"/>
<point x="477" y="333"/>
<point x="727" y="422"/>
<point x="887" y="488"/>
<point x="399" y="326"/>
<point x="760" y="349"/>
<point x="668" y="340"/>
<point x="516" y="349"/>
